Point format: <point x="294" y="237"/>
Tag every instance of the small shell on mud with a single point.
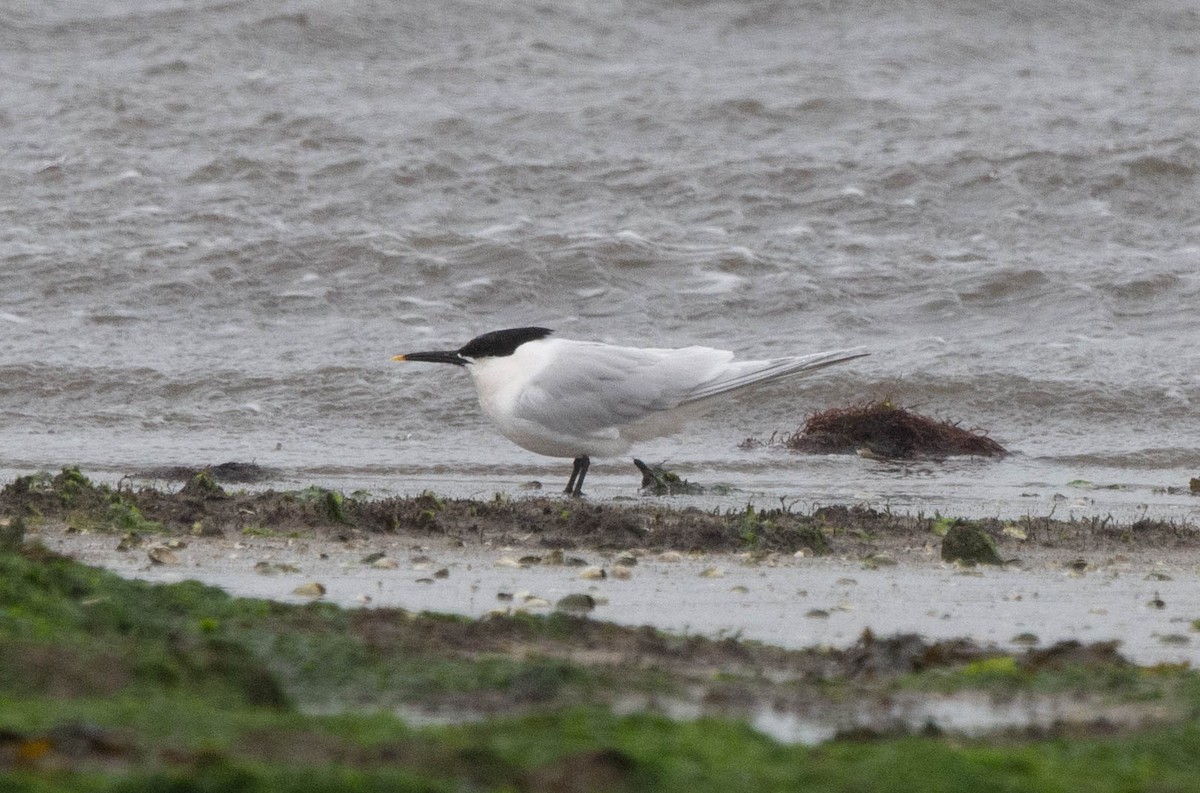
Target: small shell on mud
<point x="712" y="572"/>
<point x="310" y="590"/>
<point x="593" y="573"/>
<point x="162" y="555"/>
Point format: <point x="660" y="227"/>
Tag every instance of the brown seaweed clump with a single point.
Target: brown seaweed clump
<point x="884" y="429"/>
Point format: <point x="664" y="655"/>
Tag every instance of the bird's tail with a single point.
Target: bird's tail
<point x="744" y="374"/>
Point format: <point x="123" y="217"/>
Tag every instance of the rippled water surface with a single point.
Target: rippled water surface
<point x="220" y="220"/>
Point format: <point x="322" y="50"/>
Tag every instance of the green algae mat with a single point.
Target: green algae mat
<point x="115" y="685"/>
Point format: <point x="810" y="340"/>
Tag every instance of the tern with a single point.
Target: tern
<point x="584" y="399"/>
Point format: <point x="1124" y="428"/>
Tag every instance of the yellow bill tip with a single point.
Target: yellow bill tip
<point x="399" y="358"/>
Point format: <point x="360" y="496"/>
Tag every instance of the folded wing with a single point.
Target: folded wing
<point x="592" y="388"/>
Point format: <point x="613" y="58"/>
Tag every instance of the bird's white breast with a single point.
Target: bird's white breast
<point x="502" y="383"/>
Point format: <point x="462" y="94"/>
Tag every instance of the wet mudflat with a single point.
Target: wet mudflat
<point x="1145" y="600"/>
<point x="835" y="627"/>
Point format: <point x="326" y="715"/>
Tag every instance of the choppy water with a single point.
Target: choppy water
<point x="219" y="220"/>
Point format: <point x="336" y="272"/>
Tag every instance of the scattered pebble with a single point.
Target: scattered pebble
<point x="575" y="604"/>
<point x="593" y="573"/>
<point x="160" y="554"/>
<point x="1156" y="576"/>
<point x="1025" y="639"/>
<point x="385" y="563"/>
<point x="507" y="561"/>
<point x="271" y="568"/>
<point x="621" y="572"/>
<point x="817" y="614"/>
<point x="310" y="590"/>
<point x="712" y="572"/>
<point x="442" y="573"/>
<point x="670" y="556"/>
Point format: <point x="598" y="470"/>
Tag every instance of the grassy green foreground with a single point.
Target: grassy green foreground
<point x="115" y="685"/>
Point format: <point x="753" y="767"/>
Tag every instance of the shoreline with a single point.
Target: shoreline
<point x="788" y="578"/>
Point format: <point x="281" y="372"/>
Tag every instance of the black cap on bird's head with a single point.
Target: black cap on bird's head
<point x="496" y="344"/>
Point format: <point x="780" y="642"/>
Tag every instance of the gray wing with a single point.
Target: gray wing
<point x="743" y="374"/>
<point x="593" y="387"/>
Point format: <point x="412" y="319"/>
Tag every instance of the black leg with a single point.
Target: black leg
<point x="575" y="483"/>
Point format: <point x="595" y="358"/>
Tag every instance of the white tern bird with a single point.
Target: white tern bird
<point x="584" y="399"/>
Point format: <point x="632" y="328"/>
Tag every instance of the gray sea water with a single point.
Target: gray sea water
<point x="219" y="220"/>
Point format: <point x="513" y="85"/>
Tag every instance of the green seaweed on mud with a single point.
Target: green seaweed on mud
<point x="83" y="504"/>
<point x="332" y="503"/>
<point x="115" y="685"/>
<point x="967" y="543"/>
